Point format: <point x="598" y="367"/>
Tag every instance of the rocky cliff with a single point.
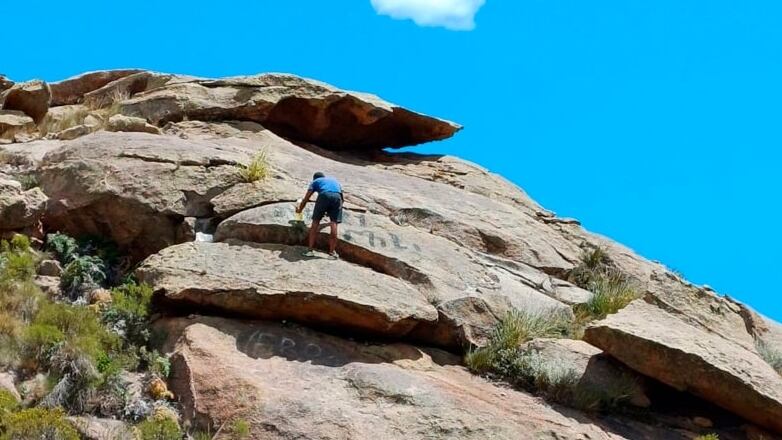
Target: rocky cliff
<point x="436" y="253"/>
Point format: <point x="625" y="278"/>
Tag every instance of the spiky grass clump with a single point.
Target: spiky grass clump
<point x="503" y="358"/>
<point x="258" y="169"/>
<point x="771" y="355"/>
<point x="515" y="329"/>
<point x="612" y="290"/>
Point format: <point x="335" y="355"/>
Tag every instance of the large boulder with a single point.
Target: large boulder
<point x="596" y="374"/>
<point x="72" y="90"/>
<point x="19" y="209"/>
<point x="5" y="83"/>
<point x="275" y="282"/>
<point x="136" y="188"/>
<point x="470" y="293"/>
<point x="669" y="347"/>
<point x="290" y="382"/>
<point x="32" y="97"/>
<point x="293" y="107"/>
<point x="13" y="123"/>
<point x="130" y="124"/>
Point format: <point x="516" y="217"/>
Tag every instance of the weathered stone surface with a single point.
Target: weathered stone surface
<point x="14" y="122"/>
<point x="135" y="188"/>
<point x="49" y="285"/>
<point x="93" y="428"/>
<point x="669" y="348"/>
<point x="72" y="90"/>
<point x="50" y="268"/>
<point x="33" y="98"/>
<point x="72" y="133"/>
<point x="129" y="123"/>
<point x="5" y="83"/>
<point x="289" y="382"/>
<point x="276" y="282"/>
<point x="471" y="295"/>
<point x="19" y="208"/>
<point x="294" y="107"/>
<point x="596" y="372"/>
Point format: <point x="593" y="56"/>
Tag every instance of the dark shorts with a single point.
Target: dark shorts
<point x="330" y="204"/>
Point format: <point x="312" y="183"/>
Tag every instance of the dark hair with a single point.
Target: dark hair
<point x="318" y="175"/>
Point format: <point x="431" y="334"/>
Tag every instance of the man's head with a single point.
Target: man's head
<point x="318" y="175"/>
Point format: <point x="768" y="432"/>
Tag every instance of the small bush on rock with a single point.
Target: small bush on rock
<point x="159" y="428"/>
<point x="62" y="246"/>
<point x="611" y="289"/>
<point x="83" y="273"/>
<point x="772" y="356"/>
<point x="38" y="423"/>
<point x="128" y="313"/>
<point x="515" y="329"/>
<point x="257" y="169"/>
<point x="8" y="403"/>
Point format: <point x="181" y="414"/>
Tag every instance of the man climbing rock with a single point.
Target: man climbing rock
<point x="329" y="202"/>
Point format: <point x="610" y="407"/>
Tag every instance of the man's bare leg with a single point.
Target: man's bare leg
<point x="313" y="234"/>
<point x="333" y="238"/>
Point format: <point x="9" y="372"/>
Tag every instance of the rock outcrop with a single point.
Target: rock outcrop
<point x="665" y="346"/>
<point x="290" y="382"/>
<point x="19" y="209"/>
<point x="275" y="282"/>
<point x="435" y="252"/>
<point x="72" y="90"/>
<point x="32" y="98"/>
<point x="13" y="123"/>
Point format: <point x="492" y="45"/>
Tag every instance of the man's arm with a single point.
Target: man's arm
<point x="304" y="201"/>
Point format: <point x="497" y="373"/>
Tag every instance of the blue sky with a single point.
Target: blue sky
<point x="655" y="123"/>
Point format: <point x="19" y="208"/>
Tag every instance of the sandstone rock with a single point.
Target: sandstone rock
<point x="128" y="123"/>
<point x="72" y="133"/>
<point x="14" y="122"/>
<point x="669" y="348"/>
<point x="135" y="188"/>
<point x="7" y="383"/>
<point x="33" y="98"/>
<point x="470" y="295"/>
<point x="49" y="285"/>
<point x="93" y="428"/>
<point x="596" y="372"/>
<point x="124" y="88"/>
<point x="72" y="90"/>
<point x="289" y="382"/>
<point x="275" y="282"/>
<point x="294" y="107"/>
<point x="50" y="268"/>
<point x="5" y="83"/>
<point x="19" y="209"/>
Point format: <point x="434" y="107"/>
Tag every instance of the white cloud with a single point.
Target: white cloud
<point x="451" y="14"/>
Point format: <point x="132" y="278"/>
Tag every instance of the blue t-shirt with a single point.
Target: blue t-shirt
<point x="325" y="185"/>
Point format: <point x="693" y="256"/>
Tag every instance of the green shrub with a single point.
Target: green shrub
<point x="611" y="289"/>
<point x="128" y="313"/>
<point x="78" y="328"/>
<point x="610" y="294"/>
<point x="8" y="403"/>
<point x="17" y="260"/>
<point x="772" y="356"/>
<point x="64" y="247"/>
<point x="515" y="329"/>
<point x="157" y="428"/>
<point x="239" y="429"/>
<point x="708" y="437"/>
<point x="28" y="181"/>
<point x="38" y="423"/>
<point x="258" y="169"/>
<point x="81" y="274"/>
